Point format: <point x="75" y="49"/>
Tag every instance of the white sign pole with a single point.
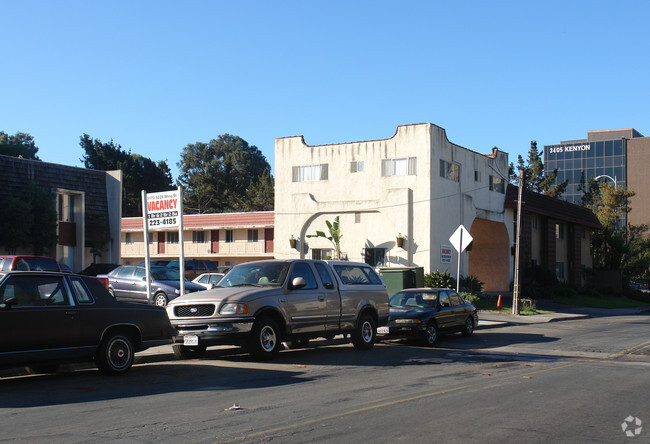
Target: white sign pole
<point x="147" y="261"/>
<point x="458" y="269"/>
<point x="181" y="262"/>
<point x="460" y="244"/>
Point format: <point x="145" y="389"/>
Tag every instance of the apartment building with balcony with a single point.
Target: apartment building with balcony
<point x="224" y="238"/>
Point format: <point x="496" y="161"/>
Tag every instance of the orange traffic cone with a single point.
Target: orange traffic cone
<point x="499" y="303"/>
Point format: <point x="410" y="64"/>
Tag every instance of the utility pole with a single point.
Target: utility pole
<point x="515" y="298"/>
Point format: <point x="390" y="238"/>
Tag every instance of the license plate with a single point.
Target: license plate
<point x="190" y="340"/>
<point x="382" y="330"/>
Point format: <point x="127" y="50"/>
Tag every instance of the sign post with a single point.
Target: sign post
<point x="162" y="210"/>
<point x="460" y="240"/>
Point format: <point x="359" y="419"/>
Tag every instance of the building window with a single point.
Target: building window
<point x="128" y="238"/>
<point x="321" y="253"/>
<point x="172" y="237"/>
<point x="356" y="166"/>
<point x="559" y="231"/>
<point x="198" y="237"/>
<point x="450" y="170"/>
<point x="230" y="236"/>
<point x="375" y="257"/>
<point x="398" y="167"/>
<point x="497" y="184"/>
<point x="252" y="236"/>
<point x="559" y="270"/>
<point x="533" y="222"/>
<point x="477" y="176"/>
<point x="309" y="173"/>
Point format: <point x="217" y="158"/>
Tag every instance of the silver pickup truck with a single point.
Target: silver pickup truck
<point x="259" y="305"/>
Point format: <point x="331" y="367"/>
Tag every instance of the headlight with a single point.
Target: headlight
<point x="408" y="321"/>
<point x="233" y="309"/>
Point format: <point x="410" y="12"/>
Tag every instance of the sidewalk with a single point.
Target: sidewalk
<point x="491" y="319"/>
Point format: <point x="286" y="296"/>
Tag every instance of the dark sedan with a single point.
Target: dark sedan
<point x="128" y="283"/>
<point x="47" y="318"/>
<point x="424" y="313"/>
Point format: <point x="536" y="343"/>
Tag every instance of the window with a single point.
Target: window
<point x="533" y="222"/>
<point x="321" y="253"/>
<point x="559" y="270"/>
<point x="172" y="237"/>
<point x="559" y="231"/>
<point x="35" y="290"/>
<point x="357" y="275"/>
<point x="375" y="257"/>
<point x="83" y="295"/>
<point x="477" y="176"/>
<point x="356" y="166"/>
<point x="398" y="167"/>
<point x="325" y="276"/>
<point x="497" y="184"/>
<point x="302" y="269"/>
<point x="198" y="237"/>
<point x="252" y="235"/>
<point x="230" y="237"/>
<point x="450" y="170"/>
<point x="309" y="173"/>
<point x="129" y="239"/>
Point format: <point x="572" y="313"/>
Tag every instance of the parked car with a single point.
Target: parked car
<point x="223" y="268"/>
<point x="156" y="263"/>
<point x="424" y="313"/>
<point x="194" y="267"/>
<point x="95" y="269"/>
<point x="28" y="263"/>
<point x="208" y="280"/>
<point x="261" y="304"/>
<point x="47" y="318"/>
<point x="128" y="283"/>
<point x="65" y="268"/>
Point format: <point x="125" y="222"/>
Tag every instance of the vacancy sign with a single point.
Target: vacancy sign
<point x="163" y="209"/>
<point x="461" y="239"/>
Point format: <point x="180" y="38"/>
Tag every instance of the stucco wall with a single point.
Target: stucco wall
<point x="638" y="179"/>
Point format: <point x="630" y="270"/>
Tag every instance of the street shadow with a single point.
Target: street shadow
<point x="72" y="385"/>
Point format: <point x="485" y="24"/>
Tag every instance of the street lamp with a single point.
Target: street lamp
<point x="613" y="179"/>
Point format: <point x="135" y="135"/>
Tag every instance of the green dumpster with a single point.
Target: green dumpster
<point x="399" y="278"/>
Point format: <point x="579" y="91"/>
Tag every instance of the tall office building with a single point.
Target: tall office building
<point x="620" y="156"/>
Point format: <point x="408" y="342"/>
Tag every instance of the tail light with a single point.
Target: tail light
<point x="103" y="280"/>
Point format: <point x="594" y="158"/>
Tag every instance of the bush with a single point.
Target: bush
<point x="439" y="279"/>
<point x="472" y="298"/>
<point x="565" y="291"/>
<point x="471" y="284"/>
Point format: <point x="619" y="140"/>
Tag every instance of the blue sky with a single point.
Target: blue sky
<point x="155" y="76"/>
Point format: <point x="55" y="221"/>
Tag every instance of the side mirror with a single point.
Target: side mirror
<point x="329" y="285"/>
<point x="9" y="303"/>
<point x="297" y="283"/>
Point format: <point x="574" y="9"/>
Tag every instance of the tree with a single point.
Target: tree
<point x="139" y="173"/>
<point x="617" y="246"/>
<point x="16" y="217"/>
<point x="43" y="230"/>
<point x="534" y="179"/>
<point x="18" y="145"/>
<point x="260" y="195"/>
<point x="221" y="175"/>
<point x="334" y="229"/>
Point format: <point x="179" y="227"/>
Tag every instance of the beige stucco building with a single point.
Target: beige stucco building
<point x="416" y="185"/>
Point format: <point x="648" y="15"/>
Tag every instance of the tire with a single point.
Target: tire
<point x="160" y="299"/>
<point x="265" y="340"/>
<point x="188" y="352"/>
<point x="430" y="335"/>
<point x="300" y="343"/>
<point x="469" y="327"/>
<point x="365" y="333"/>
<point x="115" y="354"/>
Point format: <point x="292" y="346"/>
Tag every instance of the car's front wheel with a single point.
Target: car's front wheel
<point x="365" y="333"/>
<point x="469" y="327"/>
<point x="188" y="352"/>
<point x="160" y="299"/>
<point x="430" y="335"/>
<point x="265" y="340"/>
<point x="115" y="354"/>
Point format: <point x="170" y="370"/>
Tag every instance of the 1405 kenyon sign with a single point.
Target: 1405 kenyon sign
<point x="162" y="209"/>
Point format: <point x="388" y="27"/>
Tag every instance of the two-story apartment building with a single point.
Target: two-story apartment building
<point x="224" y="238"/>
<point x="398" y="200"/>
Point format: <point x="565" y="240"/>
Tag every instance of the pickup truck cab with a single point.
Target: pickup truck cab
<point x="259" y="305"/>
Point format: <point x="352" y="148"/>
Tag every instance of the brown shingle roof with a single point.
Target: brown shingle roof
<point x="213" y="221"/>
<point x="551" y="207"/>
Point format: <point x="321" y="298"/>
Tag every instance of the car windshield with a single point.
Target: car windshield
<point x="412" y="299"/>
<point x="270" y="274"/>
<point x="165" y="274"/>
